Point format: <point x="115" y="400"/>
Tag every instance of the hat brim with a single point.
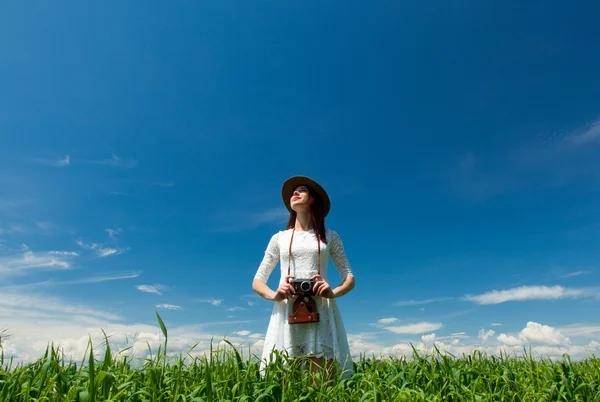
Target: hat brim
<point x="290" y="185"/>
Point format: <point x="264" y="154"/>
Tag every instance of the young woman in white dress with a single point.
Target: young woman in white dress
<point x="311" y="245"/>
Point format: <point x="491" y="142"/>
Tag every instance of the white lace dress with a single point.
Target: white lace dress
<point x="326" y="338"/>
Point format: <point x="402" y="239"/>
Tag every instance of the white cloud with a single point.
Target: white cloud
<point x="27" y="262"/>
<point x="525" y="293"/>
<point x="44" y="307"/>
<point x="100" y="250"/>
<point x="577" y="273"/>
<point x="113" y="233"/>
<point x="428" y="339"/>
<point x="56" y="162"/>
<point x="418" y="302"/>
<point x="417" y="328"/>
<point x="587" y="135"/>
<point x="587" y="331"/>
<point x="483" y="335"/>
<point x="214" y="302"/>
<point x="81" y="244"/>
<point x="68" y="253"/>
<point x="168" y="306"/>
<point x="45" y="228"/>
<point x="116" y="161"/>
<point x="150" y="288"/>
<point x="509" y="340"/>
<point x="256" y="336"/>
<point x="243" y="333"/>
<point x="535" y="332"/>
<point x="496" y="324"/>
<point x="30" y="337"/>
<point x="105" y="252"/>
<point x="236" y="309"/>
<point x="387" y="320"/>
<point x="104" y="278"/>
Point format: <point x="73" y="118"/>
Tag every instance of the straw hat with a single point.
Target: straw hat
<point x="290" y="185"/>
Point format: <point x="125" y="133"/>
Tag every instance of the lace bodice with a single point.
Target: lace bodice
<point x="326" y="338"/>
<point x="304" y="255"/>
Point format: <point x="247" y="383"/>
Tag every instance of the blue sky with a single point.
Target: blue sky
<point x="142" y="152"/>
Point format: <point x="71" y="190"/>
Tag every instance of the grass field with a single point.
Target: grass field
<point x="223" y="375"/>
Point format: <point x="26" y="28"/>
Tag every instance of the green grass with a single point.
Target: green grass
<point x="223" y="375"/>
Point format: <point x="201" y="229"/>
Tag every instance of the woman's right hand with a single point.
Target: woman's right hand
<point x="285" y="291"/>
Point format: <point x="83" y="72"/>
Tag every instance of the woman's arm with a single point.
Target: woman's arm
<point x="270" y="259"/>
<point x="285" y="291"/>
<point x="262" y="289"/>
<point x="340" y="260"/>
<point x="346" y="286"/>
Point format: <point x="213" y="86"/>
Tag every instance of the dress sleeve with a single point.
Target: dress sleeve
<point x="270" y="259"/>
<point x="338" y="255"/>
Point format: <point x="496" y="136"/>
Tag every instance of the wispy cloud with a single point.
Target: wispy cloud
<point x="236" y="309"/>
<point x="69" y="253"/>
<point x="214" y="302"/>
<point x="418" y="328"/>
<point x="45" y="228"/>
<point x="496" y="324"/>
<point x="86" y="246"/>
<point x="101" y="251"/>
<point x="37" y="228"/>
<point x="116" y="161"/>
<point x="387" y="320"/>
<point x="105" y="252"/>
<point x="547" y="159"/>
<point x="572" y="274"/>
<point x="485" y="335"/>
<point x="526" y="293"/>
<point x="28" y="261"/>
<point x="113" y="233"/>
<point x="419" y="302"/>
<point x="586" y="135"/>
<point x="150" y="288"/>
<point x="55" y="162"/>
<point x="6" y="205"/>
<point x="587" y="331"/>
<point x="113" y="276"/>
<point x="107" y="277"/>
<point x="46" y="307"/>
<point x="168" y="306"/>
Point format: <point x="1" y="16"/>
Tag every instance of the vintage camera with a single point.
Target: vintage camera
<point x="303" y="286"/>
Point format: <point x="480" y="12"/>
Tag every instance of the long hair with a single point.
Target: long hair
<point x="317" y="217"/>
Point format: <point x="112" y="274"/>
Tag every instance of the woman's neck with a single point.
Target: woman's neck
<point x="303" y="222"/>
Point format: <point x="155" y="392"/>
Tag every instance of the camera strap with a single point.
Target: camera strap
<point x="318" y="252"/>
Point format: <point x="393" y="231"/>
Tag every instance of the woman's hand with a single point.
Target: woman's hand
<point x="285" y="291"/>
<point x="322" y="288"/>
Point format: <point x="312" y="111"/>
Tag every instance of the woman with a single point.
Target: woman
<point x="310" y="245"/>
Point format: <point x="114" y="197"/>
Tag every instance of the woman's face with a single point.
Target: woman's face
<point x="300" y="199"/>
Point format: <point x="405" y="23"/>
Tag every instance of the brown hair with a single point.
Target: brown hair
<point x="317" y="217"/>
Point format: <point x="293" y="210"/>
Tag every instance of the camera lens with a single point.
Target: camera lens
<point x="305" y="286"/>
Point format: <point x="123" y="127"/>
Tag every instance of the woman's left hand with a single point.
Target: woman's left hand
<point x="322" y="288"/>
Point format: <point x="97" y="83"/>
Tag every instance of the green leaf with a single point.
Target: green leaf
<point x="162" y="324"/>
<point x="92" y="375"/>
